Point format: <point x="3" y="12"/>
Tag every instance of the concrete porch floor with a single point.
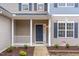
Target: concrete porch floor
<point x="40" y="51"/>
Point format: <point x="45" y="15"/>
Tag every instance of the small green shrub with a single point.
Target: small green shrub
<point x="67" y="45"/>
<point x="10" y="49"/>
<point x="23" y="53"/>
<point x="56" y="46"/>
<point x="25" y="46"/>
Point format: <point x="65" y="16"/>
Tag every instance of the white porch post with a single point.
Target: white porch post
<point x="31" y="32"/>
<point x="49" y="33"/>
<point x="12" y="32"/>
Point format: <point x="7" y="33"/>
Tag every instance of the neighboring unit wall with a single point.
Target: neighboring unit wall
<point x="62" y="41"/>
<point x="63" y="10"/>
<point x="5" y="33"/>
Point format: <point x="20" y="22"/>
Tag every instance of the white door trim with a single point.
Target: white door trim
<point x="44" y="32"/>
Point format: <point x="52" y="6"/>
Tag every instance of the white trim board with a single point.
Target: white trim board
<point x="65" y="14"/>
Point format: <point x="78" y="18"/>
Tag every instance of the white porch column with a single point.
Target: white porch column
<point x="31" y="32"/>
<point x="49" y="33"/>
<point x="12" y="32"/>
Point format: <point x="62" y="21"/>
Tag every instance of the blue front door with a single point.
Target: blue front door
<point x="39" y="33"/>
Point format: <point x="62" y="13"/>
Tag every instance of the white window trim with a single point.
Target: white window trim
<point x="43" y="7"/>
<point x="22" y="6"/>
<point x="32" y="6"/>
<point x="66" y="5"/>
<point x="65" y="28"/>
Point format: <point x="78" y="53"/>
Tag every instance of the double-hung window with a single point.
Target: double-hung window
<point x="66" y="4"/>
<point x="61" y="29"/>
<point x="70" y="29"/>
<point x="25" y="6"/>
<point x="40" y="7"/>
<point x="65" y="29"/>
<point x="61" y="4"/>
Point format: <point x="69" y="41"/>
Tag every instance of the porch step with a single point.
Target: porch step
<point x="41" y="51"/>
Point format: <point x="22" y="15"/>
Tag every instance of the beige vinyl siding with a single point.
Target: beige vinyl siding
<point x="72" y="41"/>
<point x="22" y="31"/>
<point x="14" y="8"/>
<point x="22" y="27"/>
<point x="5" y="33"/>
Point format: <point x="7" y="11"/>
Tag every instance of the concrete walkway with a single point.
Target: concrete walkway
<point x="40" y="51"/>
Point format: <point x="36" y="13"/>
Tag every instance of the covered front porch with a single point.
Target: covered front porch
<point x="31" y="32"/>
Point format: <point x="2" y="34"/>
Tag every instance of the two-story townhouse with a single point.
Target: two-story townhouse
<point x="37" y="24"/>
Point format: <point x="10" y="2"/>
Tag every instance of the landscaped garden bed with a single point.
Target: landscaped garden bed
<point x="18" y="51"/>
<point x="63" y="50"/>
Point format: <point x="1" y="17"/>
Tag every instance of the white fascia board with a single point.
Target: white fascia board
<point x="65" y="14"/>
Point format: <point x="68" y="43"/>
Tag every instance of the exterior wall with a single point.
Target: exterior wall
<point x="38" y="22"/>
<point x="5" y="33"/>
<point x="14" y="8"/>
<point x="63" y="10"/>
<point x="22" y="31"/>
<point x="22" y="27"/>
<point x="72" y="41"/>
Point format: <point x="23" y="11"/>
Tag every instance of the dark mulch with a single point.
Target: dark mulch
<point x="16" y="50"/>
<point x="63" y="48"/>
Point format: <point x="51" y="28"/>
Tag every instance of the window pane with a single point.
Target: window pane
<point x="35" y="6"/>
<point x="61" y="25"/>
<point x="25" y="6"/>
<point x="61" y="33"/>
<point x="70" y="4"/>
<point x="40" y="6"/>
<point x="70" y="26"/>
<point x="61" y="4"/>
<point x="45" y="6"/>
<point x="69" y="33"/>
